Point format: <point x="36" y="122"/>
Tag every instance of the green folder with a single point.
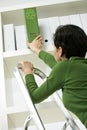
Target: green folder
<point x="31" y="21"/>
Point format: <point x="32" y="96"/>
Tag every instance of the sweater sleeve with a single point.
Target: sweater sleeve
<point x="54" y="81"/>
<point x="47" y="58"/>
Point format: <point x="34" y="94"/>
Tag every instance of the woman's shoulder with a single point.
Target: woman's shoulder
<point x="62" y="65"/>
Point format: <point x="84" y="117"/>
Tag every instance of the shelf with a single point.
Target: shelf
<point x="19" y="109"/>
<point x="24" y="52"/>
<point x="47" y="112"/>
<point x="16" y="53"/>
<point x="15" y="110"/>
<point x="57" y="9"/>
<point x="14" y="5"/>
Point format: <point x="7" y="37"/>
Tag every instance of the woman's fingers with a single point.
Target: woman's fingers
<point x="38" y="37"/>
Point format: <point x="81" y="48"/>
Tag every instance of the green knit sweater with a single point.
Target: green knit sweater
<point x="68" y="75"/>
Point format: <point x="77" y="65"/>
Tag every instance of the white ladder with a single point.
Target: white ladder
<point x="33" y="111"/>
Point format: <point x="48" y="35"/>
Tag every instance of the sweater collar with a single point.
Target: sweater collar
<point x="76" y="58"/>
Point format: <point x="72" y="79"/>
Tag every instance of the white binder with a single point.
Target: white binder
<point x="64" y="20"/>
<point x="75" y="19"/>
<point x="84" y="21"/>
<point x="53" y="24"/>
<point x="45" y="31"/>
<point x="9" y="39"/>
<point x="21" y="42"/>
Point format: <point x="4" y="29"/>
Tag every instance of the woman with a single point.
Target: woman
<point x="69" y="70"/>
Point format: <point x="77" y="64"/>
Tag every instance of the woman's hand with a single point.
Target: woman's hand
<point x="26" y="67"/>
<point x="36" y="44"/>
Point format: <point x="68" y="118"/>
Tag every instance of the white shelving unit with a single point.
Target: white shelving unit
<point x="13" y="109"/>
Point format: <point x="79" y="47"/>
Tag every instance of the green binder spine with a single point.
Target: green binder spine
<point x="31" y="23"/>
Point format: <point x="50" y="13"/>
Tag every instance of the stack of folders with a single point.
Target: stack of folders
<point x="14" y="37"/>
<point x="20" y="35"/>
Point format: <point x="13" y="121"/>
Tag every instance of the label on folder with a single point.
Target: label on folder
<point x="31" y="21"/>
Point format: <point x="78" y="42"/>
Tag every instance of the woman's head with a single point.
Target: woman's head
<point x="70" y="40"/>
